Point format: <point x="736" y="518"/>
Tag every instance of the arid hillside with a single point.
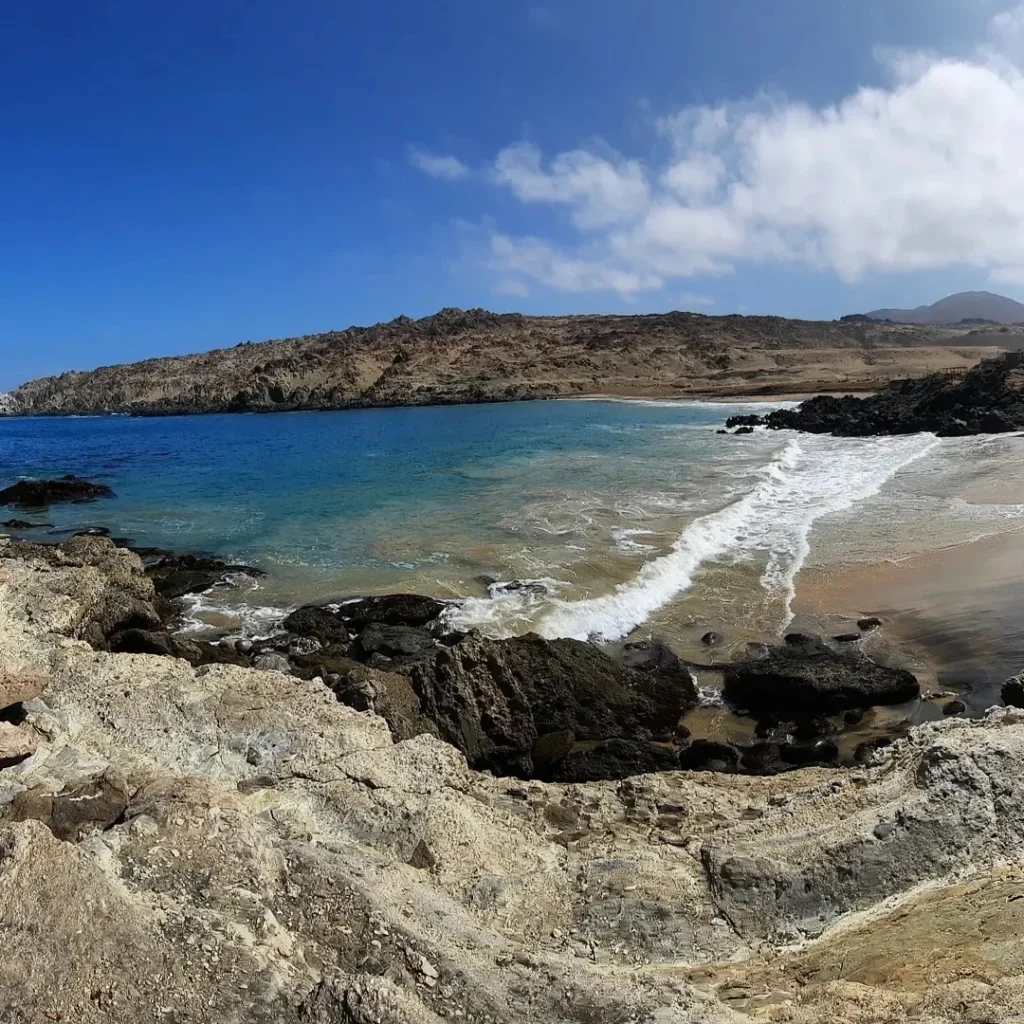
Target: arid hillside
<point x="477" y="356"/>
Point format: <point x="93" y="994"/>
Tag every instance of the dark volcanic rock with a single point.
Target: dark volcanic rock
<point x="335" y="623"/>
<point x="391" y="610"/>
<point x="658" y="661"/>
<point x="319" y="622"/>
<point x="871" y="622"/>
<point x="989" y="399"/>
<point x="805" y="678"/>
<point x="954" y="707"/>
<point x="195" y="652"/>
<point x="613" y="759"/>
<point x="397" y="643"/>
<point x="1013" y="691"/>
<point x="494" y="699"/>
<point x="175" y="576"/>
<point x="41" y="493"/>
<point x="23" y="524"/>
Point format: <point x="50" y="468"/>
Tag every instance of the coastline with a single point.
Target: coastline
<point x="252" y="845"/>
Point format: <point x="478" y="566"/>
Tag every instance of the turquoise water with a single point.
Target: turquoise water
<point x="625" y="515"/>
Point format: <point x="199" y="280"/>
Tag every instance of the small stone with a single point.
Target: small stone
<point x="884" y="829"/>
<point x="954" y="707"/>
<point x="427" y="969"/>
<point x="870" y="622"/>
<point x="243" y="646"/>
<point x="272" y="662"/>
<point x="556" y="933"/>
<point x="711" y="639"/>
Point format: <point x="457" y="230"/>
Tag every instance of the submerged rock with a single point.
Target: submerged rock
<point x="175" y="576"/>
<point x="804" y="678"/>
<point x="68" y="489"/>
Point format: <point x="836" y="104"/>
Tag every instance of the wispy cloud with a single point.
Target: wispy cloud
<point x="922" y="173"/>
<point x="449" y="168"/>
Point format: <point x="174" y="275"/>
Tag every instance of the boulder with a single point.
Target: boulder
<point x="319" y="622"/>
<point x="494" y="699"/>
<point x="869" y="622"/>
<point x="271" y="661"/>
<point x="336" y="623"/>
<point x="391" y="610"/>
<point x="1013" y="691"/>
<point x="805" y="678"/>
<point x="68" y="489"/>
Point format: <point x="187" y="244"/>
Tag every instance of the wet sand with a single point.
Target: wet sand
<point x="953" y="616"/>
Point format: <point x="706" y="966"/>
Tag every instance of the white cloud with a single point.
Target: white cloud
<point x="449" y="168"/>
<point x="598" y="191"/>
<point x="924" y="173"/>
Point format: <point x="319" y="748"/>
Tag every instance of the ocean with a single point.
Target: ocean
<point x="610" y="519"/>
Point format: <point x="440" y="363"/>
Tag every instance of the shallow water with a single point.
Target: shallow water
<point x="629" y="515"/>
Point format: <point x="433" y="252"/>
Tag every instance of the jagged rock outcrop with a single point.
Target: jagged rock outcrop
<point x="477" y="356"/>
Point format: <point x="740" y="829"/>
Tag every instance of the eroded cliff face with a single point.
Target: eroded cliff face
<point x="228" y="844"/>
<point x="477" y="356"/>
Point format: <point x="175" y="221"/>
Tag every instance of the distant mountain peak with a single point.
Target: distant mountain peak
<point x="954" y="309"/>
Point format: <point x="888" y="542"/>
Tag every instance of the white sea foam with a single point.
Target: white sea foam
<point x="806" y="479"/>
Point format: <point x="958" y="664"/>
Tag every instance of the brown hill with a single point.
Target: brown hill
<point x="477" y="356"/>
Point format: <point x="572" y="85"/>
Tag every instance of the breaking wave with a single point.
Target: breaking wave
<point x="806" y="479"/>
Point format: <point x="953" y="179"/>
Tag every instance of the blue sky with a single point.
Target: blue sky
<point x="175" y="177"/>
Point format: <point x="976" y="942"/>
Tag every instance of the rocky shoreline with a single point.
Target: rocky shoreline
<point x="218" y="842"/>
<point x="555" y="710"/>
<point x="988" y="399"/>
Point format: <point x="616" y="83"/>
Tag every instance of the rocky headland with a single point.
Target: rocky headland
<point x="458" y="356"/>
<point x="988" y="399"/>
<point x="303" y="836"/>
